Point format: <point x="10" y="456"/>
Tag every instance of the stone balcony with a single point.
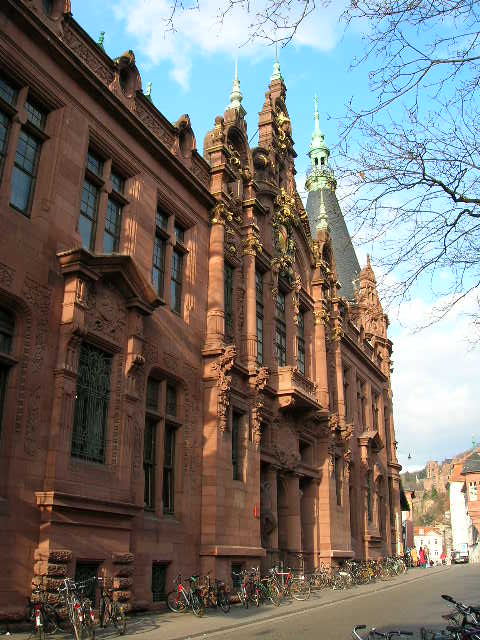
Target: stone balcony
<point x="293" y="388"/>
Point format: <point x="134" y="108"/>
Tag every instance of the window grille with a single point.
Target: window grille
<point x="176" y="282"/>
<point x="24" y="171"/>
<point x="259" y="311"/>
<point x="171" y="400"/>
<point x="91" y="404"/>
<point x="280" y="330"/>
<point x="35" y="116"/>
<point x="149" y="446"/>
<point x="85" y="571"/>
<point x="94" y="164"/>
<point x="7" y="92"/>
<point x="159" y="580"/>
<point x="88" y="214"/>
<point x="7" y="326"/>
<point x="4" y="127"/>
<point x="113" y="220"/>
<point x="179" y="234"/>
<point x="153" y="394"/>
<point x="169" y="470"/>
<point x="228" y="276"/>
<point x="301" y="343"/>
<point x="236" y="578"/>
<point x="158" y="271"/>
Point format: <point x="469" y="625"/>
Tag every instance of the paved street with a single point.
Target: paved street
<point x="407" y="601"/>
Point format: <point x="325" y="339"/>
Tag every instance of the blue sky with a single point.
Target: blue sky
<point x="436" y="374"/>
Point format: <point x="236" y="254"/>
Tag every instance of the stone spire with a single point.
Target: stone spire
<point x="276" y="74"/>
<point x="320" y="175"/>
<point x="324" y="213"/>
<point x="236" y="95"/>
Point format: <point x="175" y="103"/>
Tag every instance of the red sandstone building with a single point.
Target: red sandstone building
<point x="194" y="371"/>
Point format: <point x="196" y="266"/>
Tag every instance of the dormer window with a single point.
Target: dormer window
<point x="322" y="161"/>
<point x="316" y="161"/>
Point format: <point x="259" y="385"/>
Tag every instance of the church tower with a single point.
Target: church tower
<point x="323" y="209"/>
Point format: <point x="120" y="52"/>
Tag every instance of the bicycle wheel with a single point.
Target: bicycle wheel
<point x="300" y="589"/>
<point x="37" y="619"/>
<point x="119" y="618"/>
<point x="243" y="599"/>
<point x="223" y="601"/>
<point x="77" y="624"/>
<point x="175" y="602"/>
<point x="197" y="605"/>
<point x="50" y="619"/>
<point x="256" y="597"/>
<point x="273" y="595"/>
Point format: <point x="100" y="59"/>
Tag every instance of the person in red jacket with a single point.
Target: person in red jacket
<point x="421" y="558"/>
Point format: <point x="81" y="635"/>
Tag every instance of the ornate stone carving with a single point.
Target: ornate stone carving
<point x="252" y="245"/>
<point x="337" y="333"/>
<point x="224" y="382"/>
<point x="333" y="421"/>
<point x="6" y="276"/>
<point x="154" y="124"/>
<point x="82" y="292"/>
<point x="296" y="288"/>
<point x="260" y="383"/>
<point x="321" y="316"/>
<point x="107" y="315"/>
<point x="220" y="214"/>
<point x="87" y="55"/>
<point x="200" y="171"/>
<point x="283" y="220"/>
<point x="286" y="449"/>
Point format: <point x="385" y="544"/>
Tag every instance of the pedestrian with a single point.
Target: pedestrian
<point x="414" y="556"/>
<point x="421" y="557"/>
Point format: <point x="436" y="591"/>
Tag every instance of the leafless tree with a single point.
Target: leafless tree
<point x="411" y="157"/>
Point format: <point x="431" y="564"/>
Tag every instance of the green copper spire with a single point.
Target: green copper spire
<point x="276" y="75"/>
<point x="148" y="93"/>
<point x="236" y="95"/>
<point x="320" y="175"/>
<point x="101" y="38"/>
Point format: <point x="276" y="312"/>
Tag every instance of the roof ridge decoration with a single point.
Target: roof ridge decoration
<point x="236" y="96"/>
<point x="320" y="175"/>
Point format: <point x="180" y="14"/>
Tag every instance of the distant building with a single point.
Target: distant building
<point x="471" y="488"/>
<point x="458" y="508"/>
<point x="431" y="538"/>
<point x="407" y="519"/>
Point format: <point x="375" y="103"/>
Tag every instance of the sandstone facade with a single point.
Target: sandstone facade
<point x="183" y="387"/>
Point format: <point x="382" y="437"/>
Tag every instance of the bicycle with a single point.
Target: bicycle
<point x="287" y="584"/>
<point x="183" y="599"/>
<point x="79" y="609"/>
<point x="243" y="592"/>
<point x="373" y="633"/>
<point x="110" y="611"/>
<point x="215" y="594"/>
<point x="41" y="614"/>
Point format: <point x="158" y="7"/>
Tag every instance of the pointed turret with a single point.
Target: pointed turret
<point x="320" y="175"/>
<point x="236" y="95"/>
<point x="276" y="73"/>
<point x="324" y="212"/>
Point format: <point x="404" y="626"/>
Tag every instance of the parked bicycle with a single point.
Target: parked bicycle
<point x="184" y="598"/>
<point x="289" y="585"/>
<point x="373" y="633"/>
<point x="79" y="608"/>
<point x="41" y="614"/>
<point x="464" y="623"/>
<point x="215" y="595"/>
<point x="110" y="611"/>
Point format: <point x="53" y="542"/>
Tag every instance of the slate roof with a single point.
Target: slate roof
<point x="472" y="464"/>
<point x="346" y="261"/>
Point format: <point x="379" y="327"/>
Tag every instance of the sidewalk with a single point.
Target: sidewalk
<point x="171" y="626"/>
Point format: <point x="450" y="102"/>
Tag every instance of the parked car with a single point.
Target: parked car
<point x="459" y="557"/>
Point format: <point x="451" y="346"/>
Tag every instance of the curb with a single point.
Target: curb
<point x="282" y="616"/>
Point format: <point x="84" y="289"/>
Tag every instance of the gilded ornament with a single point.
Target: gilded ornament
<point x="220" y="214"/>
<point x="252" y="246"/>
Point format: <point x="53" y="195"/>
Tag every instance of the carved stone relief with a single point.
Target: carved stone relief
<point x="221" y="367"/>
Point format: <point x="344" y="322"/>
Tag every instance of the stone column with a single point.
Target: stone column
<point x="251" y="245"/>
<point x="294" y="523"/>
<point x="309" y="522"/>
<point x="216" y="287"/>
<point x="320" y="354"/>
